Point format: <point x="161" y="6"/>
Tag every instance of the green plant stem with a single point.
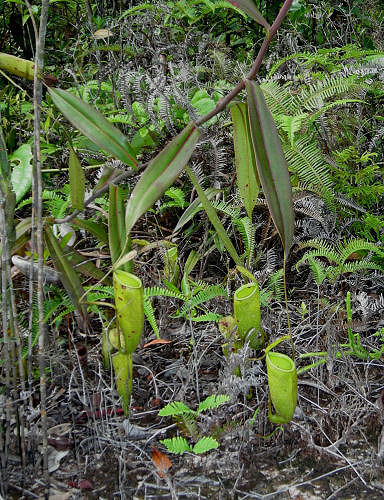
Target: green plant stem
<point x="130" y="374"/>
<point x="286" y="305"/>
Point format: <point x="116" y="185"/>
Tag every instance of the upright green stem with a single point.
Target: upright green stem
<point x="286" y="305"/>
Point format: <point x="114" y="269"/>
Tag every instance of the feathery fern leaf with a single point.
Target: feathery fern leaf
<point x="174" y="409"/>
<point x="205" y="444"/>
<point x="150" y="315"/>
<point x="157" y="291"/>
<point x="209" y="293"/>
<point x="176" y="445"/>
<point x="212" y="402"/>
<point x="305" y="158"/>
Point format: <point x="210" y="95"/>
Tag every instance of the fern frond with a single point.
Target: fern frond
<point x="275" y="285"/>
<point x="279" y="98"/>
<point x="305" y="158"/>
<point x="227" y="208"/>
<point x="177" y="196"/>
<point x="205" y="444"/>
<point x="313" y="98"/>
<point x="174" y="409"/>
<point x="354" y="245"/>
<point x="211" y="292"/>
<point x="210" y="316"/>
<point x="331" y="255"/>
<point x="121" y="118"/>
<point x="157" y="291"/>
<point x="212" y="402"/>
<point x="353" y="267"/>
<point x="291" y="124"/>
<point x="319" y="270"/>
<point x="244" y="225"/>
<point x="176" y="445"/>
<point x="150" y="315"/>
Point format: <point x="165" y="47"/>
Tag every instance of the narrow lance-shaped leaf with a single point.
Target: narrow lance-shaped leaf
<point x="97" y="229"/>
<point x="116" y="222"/>
<point x="249" y="7"/>
<point x="76" y="180"/>
<point x="68" y="275"/>
<point x="94" y="126"/>
<point x="213" y="217"/>
<point x="160" y="174"/>
<point x="247" y="178"/>
<point x="271" y="165"/>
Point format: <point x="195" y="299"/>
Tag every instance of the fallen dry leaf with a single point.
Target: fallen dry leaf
<point x="158" y="341"/>
<point x="160" y="461"/>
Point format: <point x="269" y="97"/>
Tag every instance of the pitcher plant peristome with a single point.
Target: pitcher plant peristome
<point x="246" y="307"/>
<point x="282" y="382"/>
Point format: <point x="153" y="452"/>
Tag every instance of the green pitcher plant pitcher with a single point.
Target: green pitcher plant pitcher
<point x="129" y="304"/>
<point x="282" y="382"/>
<point x="246" y="307"/>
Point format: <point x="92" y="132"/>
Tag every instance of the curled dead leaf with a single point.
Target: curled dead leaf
<point x="161" y="462"/>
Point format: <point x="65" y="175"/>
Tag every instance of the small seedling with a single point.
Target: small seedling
<point x="187" y="418"/>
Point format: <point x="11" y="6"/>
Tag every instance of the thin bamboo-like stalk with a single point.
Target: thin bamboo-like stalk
<point x="5" y="428"/>
<point x="37" y="189"/>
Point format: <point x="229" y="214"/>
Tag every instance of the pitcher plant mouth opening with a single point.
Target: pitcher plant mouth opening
<point x="127" y="279"/>
<point x="246" y="291"/>
<point x="281" y="362"/>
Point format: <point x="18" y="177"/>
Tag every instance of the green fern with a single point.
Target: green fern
<point x="177" y="445"/>
<point x="205" y="444"/>
<point x="150" y="315"/>
<point x="338" y="255"/>
<point x="186" y="417"/>
<point x="314" y="96"/>
<point x="157" y="291"/>
<point x="177" y="196"/>
<point x="211" y="292"/>
<point x="174" y="409"/>
<point x="306" y="160"/>
<point x="246" y="230"/>
<point x="212" y="402"/>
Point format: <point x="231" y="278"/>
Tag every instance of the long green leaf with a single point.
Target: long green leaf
<point x="97" y="229"/>
<point x="68" y="275"/>
<point x="160" y="174"/>
<point x="212" y="215"/>
<point x="247" y="178"/>
<point x="193" y="209"/>
<point x="76" y="180"/>
<point x="94" y="126"/>
<point x="86" y="266"/>
<point x="271" y="165"/>
<point x="249" y="7"/>
<point x="116" y="222"/>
